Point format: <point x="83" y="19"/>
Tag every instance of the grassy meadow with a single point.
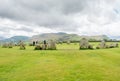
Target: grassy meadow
<point x="67" y="63"/>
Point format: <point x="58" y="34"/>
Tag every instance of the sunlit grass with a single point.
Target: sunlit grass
<point x="67" y="63"/>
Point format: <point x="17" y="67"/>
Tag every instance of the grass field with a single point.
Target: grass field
<point x="67" y="63"/>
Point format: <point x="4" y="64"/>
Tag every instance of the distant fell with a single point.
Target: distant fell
<point x="16" y="39"/>
<point x="65" y="37"/>
<point x="61" y="36"/>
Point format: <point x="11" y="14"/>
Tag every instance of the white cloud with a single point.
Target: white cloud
<point x="10" y="28"/>
<point x="84" y="17"/>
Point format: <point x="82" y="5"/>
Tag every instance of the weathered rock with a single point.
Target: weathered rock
<point x="10" y="45"/>
<point x="102" y="45"/>
<point x="84" y="44"/>
<point x="114" y="45"/>
<point x="5" y="45"/>
<point x="52" y="45"/>
<point x="90" y="47"/>
<point x="107" y="46"/>
<point x="38" y="47"/>
<point x="22" y="46"/>
<point x="68" y="42"/>
<point x="44" y="46"/>
<point x="111" y="45"/>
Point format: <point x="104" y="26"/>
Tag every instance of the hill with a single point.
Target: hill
<point x="55" y="36"/>
<point x="16" y="39"/>
<point x="65" y="37"/>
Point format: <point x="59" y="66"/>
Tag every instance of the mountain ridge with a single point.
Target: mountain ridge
<point x="61" y="36"/>
<point x="15" y="39"/>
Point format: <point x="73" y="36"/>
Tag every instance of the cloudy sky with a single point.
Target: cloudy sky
<point x="83" y="17"/>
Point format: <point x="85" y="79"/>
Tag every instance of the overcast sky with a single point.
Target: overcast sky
<point x="83" y="17"/>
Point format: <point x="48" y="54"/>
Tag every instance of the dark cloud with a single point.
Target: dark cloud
<point x="54" y="13"/>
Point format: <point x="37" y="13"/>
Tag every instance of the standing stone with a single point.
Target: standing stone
<point x="44" y="46"/>
<point x="114" y="45"/>
<point x="38" y="47"/>
<point x="52" y="45"/>
<point x="10" y="45"/>
<point x="102" y="45"/>
<point x="68" y="42"/>
<point x="90" y="47"/>
<point x="5" y="45"/>
<point x="84" y="44"/>
<point x="98" y="46"/>
<point x="22" y="46"/>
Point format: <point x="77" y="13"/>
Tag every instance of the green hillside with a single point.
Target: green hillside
<point x="16" y="39"/>
<point x="54" y="36"/>
<point x="66" y="37"/>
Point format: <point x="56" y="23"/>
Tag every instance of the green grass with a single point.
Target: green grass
<point x="68" y="63"/>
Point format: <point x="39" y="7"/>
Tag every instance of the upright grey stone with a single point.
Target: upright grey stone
<point x="10" y="45"/>
<point x="38" y="47"/>
<point x="84" y="44"/>
<point x="5" y="45"/>
<point x="114" y="45"/>
<point x="52" y="45"/>
<point x="68" y="42"/>
<point x="22" y="45"/>
<point x="102" y="45"/>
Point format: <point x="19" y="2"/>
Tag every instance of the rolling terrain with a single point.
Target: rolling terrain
<point x="54" y="36"/>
